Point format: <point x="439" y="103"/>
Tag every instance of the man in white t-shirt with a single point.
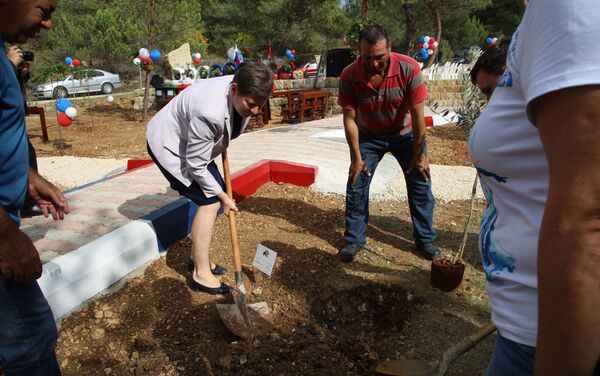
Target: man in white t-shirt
<point x="537" y="150"/>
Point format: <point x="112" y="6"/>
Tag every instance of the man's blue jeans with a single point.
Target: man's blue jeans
<point x="420" y="199"/>
<point x="27" y="331"/>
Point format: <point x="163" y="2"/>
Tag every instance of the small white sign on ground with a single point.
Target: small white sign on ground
<point x="264" y="260"/>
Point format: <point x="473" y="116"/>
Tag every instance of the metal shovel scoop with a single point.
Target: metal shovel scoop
<point x="244" y="320"/>
<point x="436" y="367"/>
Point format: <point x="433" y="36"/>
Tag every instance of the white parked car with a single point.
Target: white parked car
<point x="99" y="81"/>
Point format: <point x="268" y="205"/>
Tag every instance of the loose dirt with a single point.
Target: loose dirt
<point x="332" y="318"/>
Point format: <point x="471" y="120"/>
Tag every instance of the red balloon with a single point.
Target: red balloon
<point x="196" y="60"/>
<point x="293" y="52"/>
<point x="420" y="45"/>
<point x="431" y="41"/>
<point x="76" y="62"/>
<point x="64" y="120"/>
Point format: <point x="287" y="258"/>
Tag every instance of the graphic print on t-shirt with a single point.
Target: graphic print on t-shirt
<point x="506" y="80"/>
<point x="495" y="257"/>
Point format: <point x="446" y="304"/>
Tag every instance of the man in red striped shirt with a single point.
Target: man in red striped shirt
<point x="380" y="93"/>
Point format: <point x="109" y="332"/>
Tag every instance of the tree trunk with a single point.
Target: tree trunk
<point x="146" y="92"/>
<point x="438" y="24"/>
<point x="365" y="10"/>
<point x="411" y="28"/>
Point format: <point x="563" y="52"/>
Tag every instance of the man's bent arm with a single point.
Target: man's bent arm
<point x="351" y="130"/>
<point x="417" y="114"/>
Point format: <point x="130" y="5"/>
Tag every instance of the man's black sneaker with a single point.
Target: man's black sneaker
<point x="429" y="250"/>
<point x="349" y="252"/>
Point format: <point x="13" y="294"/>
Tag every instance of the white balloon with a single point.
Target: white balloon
<point x="429" y="52"/>
<point x="71" y="112"/>
<point x="427" y="39"/>
<point x="137" y="61"/>
<point x="495" y="40"/>
<point x="231" y="53"/>
<point x="435" y="44"/>
<point x="426" y="45"/>
<point x="110" y="98"/>
<point x="144" y="52"/>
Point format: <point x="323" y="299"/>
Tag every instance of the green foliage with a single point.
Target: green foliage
<point x="446" y="50"/>
<point x="110" y="32"/>
<point x="501" y="17"/>
<point x="463" y="33"/>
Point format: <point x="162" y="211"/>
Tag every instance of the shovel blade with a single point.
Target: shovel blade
<point x="259" y="317"/>
<point x="406" y="368"/>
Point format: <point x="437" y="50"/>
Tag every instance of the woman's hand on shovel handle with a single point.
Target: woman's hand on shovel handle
<point x="227" y="203"/>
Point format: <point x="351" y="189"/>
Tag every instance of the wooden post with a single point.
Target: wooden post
<point x="146" y="92"/>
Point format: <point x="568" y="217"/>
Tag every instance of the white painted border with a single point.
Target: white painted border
<point x="72" y="279"/>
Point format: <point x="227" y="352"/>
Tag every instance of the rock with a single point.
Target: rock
<point x="135" y="355"/>
<point x="108" y="314"/>
<point x="99" y="314"/>
<point x="225" y="361"/>
<point x="97" y="333"/>
<point x="243" y="359"/>
<point x="107" y="371"/>
<point x="257" y="291"/>
<point x="362" y="307"/>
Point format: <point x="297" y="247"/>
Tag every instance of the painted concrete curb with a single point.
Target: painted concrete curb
<point x="70" y="280"/>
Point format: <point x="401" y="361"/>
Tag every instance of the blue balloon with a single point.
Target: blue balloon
<point x="69" y="61"/>
<point x="424" y="55"/>
<point x="422" y="39"/>
<point x="488" y="40"/>
<point x="62" y="104"/>
<point x="155" y="55"/>
<point x="424" y="51"/>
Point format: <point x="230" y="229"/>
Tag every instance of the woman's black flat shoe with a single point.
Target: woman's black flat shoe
<point x="217" y="270"/>
<point x="221" y="290"/>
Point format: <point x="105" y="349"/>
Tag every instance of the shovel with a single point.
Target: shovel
<point x="244" y="320"/>
<point x="437" y="367"/>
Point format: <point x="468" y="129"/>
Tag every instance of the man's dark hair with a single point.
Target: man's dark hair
<point x="254" y="80"/>
<point x="373" y="34"/>
<point x="492" y="60"/>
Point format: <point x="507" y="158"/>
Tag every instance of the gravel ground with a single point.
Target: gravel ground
<point x="69" y="172"/>
<point x="449" y="182"/>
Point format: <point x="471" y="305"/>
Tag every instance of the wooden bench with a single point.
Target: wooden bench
<point x="40" y="111"/>
<point x="303" y="104"/>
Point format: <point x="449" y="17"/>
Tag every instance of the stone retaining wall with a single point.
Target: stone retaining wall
<point x="446" y="91"/>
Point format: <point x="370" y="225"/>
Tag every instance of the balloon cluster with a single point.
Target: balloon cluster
<point x="427" y="46"/>
<point x="66" y="112"/>
<point x="234" y="54"/>
<point x="147" y="59"/>
<point x="491" y="41"/>
<point x="291" y="54"/>
<point x="196" y="57"/>
<point x="72" y="62"/>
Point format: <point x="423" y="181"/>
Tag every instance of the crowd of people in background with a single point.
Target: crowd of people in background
<point x="536" y="147"/>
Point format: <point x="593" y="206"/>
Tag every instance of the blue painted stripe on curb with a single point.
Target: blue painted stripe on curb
<point x="172" y="222"/>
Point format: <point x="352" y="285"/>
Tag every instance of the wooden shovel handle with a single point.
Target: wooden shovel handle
<point x="235" y="243"/>
<point x="462" y="347"/>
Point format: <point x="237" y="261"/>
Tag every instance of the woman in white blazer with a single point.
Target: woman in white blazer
<point x="187" y="135"/>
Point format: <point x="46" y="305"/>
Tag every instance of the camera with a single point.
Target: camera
<point x="28" y="55"/>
